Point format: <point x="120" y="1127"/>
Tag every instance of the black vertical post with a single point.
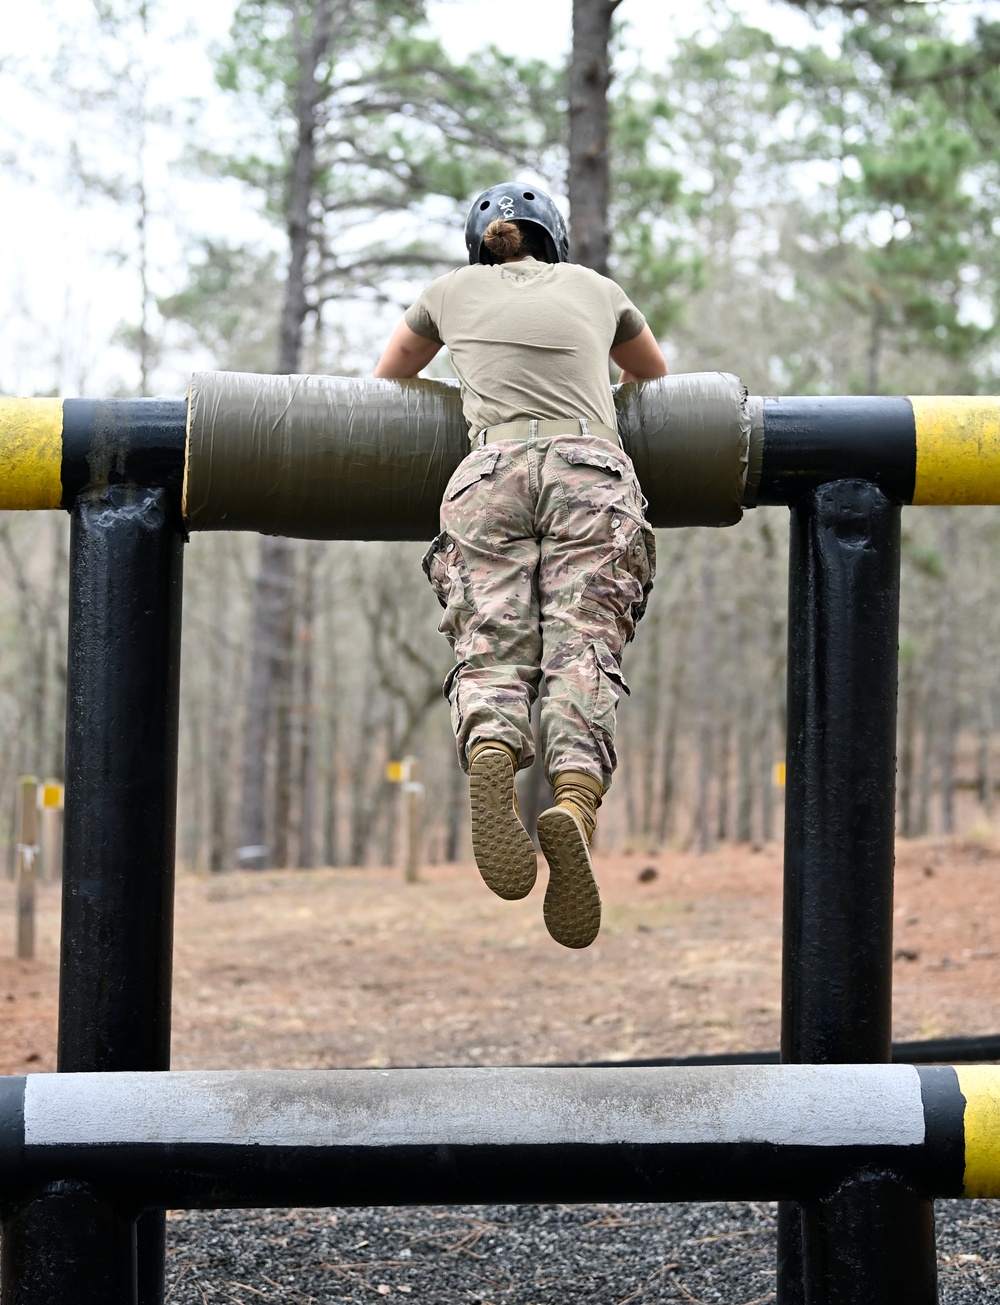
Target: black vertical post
<point x="68" y="1244"/>
<point x="843" y="632"/>
<point x="126" y="555"/>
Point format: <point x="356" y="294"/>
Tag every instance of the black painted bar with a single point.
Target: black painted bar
<point x="839" y="847"/>
<point x="873" y="1240"/>
<point x="840" y="784"/>
<point x="122" y="442"/>
<point x="253" y="1176"/>
<point x="70" y="1243"/>
<point x="121" y="782"/>
<point x="126" y="555"/>
<point x="812" y="441"/>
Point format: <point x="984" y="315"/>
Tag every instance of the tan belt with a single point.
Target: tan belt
<point x="536" y="429"/>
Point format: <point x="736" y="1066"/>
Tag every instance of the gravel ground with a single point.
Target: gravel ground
<point x="525" y="1255"/>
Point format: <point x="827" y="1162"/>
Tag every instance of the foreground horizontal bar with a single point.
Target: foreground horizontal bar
<point x="358" y="1137"/>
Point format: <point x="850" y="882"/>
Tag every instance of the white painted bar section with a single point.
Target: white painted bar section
<point x="804" y="1105"/>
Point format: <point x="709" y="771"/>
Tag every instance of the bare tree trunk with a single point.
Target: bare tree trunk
<point x="767" y="787"/>
<point x="362" y="809"/>
<point x="984" y="758"/>
<point x="947" y="678"/>
<point x="331" y="830"/>
<point x="589" y="79"/>
<point x="706" y="707"/>
<point x="681" y="630"/>
<point x="191" y="831"/>
<point x="907" y="749"/>
<point x="926" y="772"/>
<point x="722" y="817"/>
<point x="274" y="611"/>
<point x="333" y="699"/>
<point x="307" y="752"/>
<point x="394" y="751"/>
<point x="743" y="830"/>
<point x="456" y="811"/>
<point x="55" y="740"/>
<point x="223" y="694"/>
<point x="267" y="663"/>
<point x="218" y="843"/>
<point x="283" y="673"/>
<point x="650" y="722"/>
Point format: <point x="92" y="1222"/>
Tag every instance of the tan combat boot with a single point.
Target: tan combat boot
<point x="572" y="908"/>
<point x="503" y="850"/>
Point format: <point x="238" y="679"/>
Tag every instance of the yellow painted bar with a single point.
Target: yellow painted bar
<point x="958" y="449"/>
<point x="31" y="453"/>
<point x="980" y="1085"/>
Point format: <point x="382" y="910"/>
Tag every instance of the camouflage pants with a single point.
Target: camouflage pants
<point x="542" y="566"/>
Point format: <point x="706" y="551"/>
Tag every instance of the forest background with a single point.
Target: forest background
<point x="802" y="194"/>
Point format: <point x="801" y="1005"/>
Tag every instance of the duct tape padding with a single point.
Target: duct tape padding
<point x="689" y="438"/>
<point x="330" y="457"/>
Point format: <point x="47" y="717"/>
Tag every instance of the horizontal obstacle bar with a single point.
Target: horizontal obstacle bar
<point x="358" y="1137"/>
<point x="324" y="456"/>
<point x="334" y="457"/>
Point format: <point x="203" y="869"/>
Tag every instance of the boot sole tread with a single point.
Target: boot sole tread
<point x="572" y="907"/>
<point x="503" y="850"/>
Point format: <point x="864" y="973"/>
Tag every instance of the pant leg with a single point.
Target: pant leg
<point x="596" y="568"/>
<point x="483" y="568"/>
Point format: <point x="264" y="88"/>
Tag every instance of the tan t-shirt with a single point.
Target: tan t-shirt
<point x="528" y="339"/>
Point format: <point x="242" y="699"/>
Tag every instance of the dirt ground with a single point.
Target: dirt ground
<point x="354" y="967"/>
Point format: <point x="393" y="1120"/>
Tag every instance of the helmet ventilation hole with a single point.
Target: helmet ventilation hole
<point x="484" y="205"/>
<point x="528" y="195"/>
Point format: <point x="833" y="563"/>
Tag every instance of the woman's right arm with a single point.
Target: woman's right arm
<point x="640" y="358"/>
<point x="406" y="354"/>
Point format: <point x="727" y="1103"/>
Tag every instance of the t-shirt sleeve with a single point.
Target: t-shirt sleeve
<point x="422" y="318"/>
<point x="630" y="320"/>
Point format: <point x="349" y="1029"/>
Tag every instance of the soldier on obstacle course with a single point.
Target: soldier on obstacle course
<point x="544" y="560"/>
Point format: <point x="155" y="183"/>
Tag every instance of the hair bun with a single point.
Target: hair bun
<point x="502" y="239"/>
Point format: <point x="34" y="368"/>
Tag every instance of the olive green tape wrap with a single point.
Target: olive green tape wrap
<point x="328" y="457"/>
<point x="980" y="1085"/>
<point x="958" y="449"/>
<point x="689" y="437"/>
<point x="320" y="457"/>
<point x="31" y="453"/>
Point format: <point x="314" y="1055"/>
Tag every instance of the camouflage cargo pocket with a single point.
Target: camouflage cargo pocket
<point x="595" y="453"/>
<point x="620" y="586"/>
<point x="476" y="467"/>
<point x="448" y="574"/>
<point x="609" y="685"/>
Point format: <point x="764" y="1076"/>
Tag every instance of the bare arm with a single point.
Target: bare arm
<point x="406" y="354"/>
<point x="640" y="358"/>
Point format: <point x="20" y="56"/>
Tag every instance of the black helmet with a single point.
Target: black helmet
<point x="513" y="201"/>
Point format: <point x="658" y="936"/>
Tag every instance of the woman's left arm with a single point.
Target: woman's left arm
<point x="406" y="354"/>
<point x="640" y="358"/>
